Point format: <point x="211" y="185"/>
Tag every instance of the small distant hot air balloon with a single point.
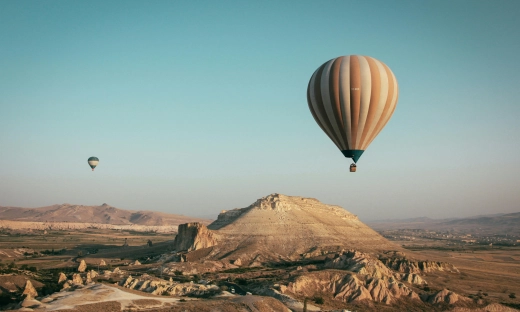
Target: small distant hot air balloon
<point x="93" y="162"/>
<point x="352" y="98"/>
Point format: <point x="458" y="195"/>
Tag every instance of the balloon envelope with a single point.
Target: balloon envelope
<point x="352" y="98"/>
<point x="93" y="162"/>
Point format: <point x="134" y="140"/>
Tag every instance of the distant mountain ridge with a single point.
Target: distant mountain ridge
<point x="104" y="214"/>
<point x="500" y="223"/>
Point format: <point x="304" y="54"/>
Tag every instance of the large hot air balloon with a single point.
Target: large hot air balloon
<point x="352" y="98"/>
<point x="93" y="162"/>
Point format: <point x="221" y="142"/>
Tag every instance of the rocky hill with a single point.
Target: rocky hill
<point x="103" y="214"/>
<point x="279" y="227"/>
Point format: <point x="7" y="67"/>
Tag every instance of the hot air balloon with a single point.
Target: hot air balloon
<point x="93" y="162"/>
<point x="352" y="98"/>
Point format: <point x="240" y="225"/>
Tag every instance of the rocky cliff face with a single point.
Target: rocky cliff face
<point x="193" y="236"/>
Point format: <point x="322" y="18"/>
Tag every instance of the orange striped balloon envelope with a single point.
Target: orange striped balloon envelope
<point x="352" y="98"/>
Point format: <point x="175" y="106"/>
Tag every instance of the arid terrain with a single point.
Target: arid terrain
<point x="281" y="253"/>
<point x="103" y="214"/>
<point x="496" y="224"/>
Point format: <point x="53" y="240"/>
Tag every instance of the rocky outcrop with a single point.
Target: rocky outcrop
<point x="82" y="266"/>
<point x="360" y="263"/>
<point x="193" y="236"/>
<point x="62" y="278"/>
<point x="88" y="278"/>
<point x="348" y="287"/>
<point x="277" y="203"/>
<point x="93" y="274"/>
<point x="77" y="280"/>
<point x="155" y="286"/>
<point x="413" y="278"/>
<point x="365" y="264"/>
<point x="68" y="284"/>
<point x="404" y="265"/>
<point x="29" y="290"/>
<point x="445" y="296"/>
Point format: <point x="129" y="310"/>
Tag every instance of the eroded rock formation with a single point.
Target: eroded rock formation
<point x="29" y="290"/>
<point x="411" y="266"/>
<point x="366" y="264"/>
<point x="349" y="287"/>
<point x="445" y="296"/>
<point x="82" y="266"/>
<point x="156" y="286"/>
<point x="77" y="280"/>
<point x="62" y="278"/>
<point x="193" y="236"/>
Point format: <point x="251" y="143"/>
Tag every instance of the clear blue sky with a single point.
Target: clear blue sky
<point x="197" y="106"/>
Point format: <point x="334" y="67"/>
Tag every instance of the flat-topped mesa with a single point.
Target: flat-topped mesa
<point x="277" y="202"/>
<point x="279" y="226"/>
<point x="280" y="203"/>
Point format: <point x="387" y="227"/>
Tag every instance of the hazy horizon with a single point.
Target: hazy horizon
<point x="193" y="108"/>
<point x="213" y="215"/>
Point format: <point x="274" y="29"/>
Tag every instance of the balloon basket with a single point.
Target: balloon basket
<point x="353" y="168"/>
